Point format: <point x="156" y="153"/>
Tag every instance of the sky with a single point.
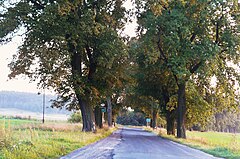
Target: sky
<point x="21" y="83"/>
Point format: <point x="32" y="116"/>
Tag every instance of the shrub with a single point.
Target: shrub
<point x="76" y="117"/>
<point x="132" y="118"/>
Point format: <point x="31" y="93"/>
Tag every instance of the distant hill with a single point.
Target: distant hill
<point x="28" y="101"/>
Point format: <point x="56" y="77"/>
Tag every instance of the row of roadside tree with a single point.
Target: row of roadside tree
<point x="77" y="48"/>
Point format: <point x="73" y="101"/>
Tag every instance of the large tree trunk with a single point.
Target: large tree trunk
<point x="98" y="116"/>
<point x="170" y="122"/>
<point x="109" y="111"/>
<point x="154" y="119"/>
<point x="181" y="111"/>
<point x="83" y="99"/>
<point x="87" y="116"/>
<point x="170" y="114"/>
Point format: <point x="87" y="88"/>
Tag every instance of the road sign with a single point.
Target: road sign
<point x="148" y="120"/>
<point x="103" y="109"/>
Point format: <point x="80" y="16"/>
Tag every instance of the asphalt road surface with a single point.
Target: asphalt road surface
<point x="133" y="143"/>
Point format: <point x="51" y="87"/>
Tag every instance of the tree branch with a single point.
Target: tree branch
<point x="89" y="54"/>
<point x="165" y="58"/>
<point x="161" y="51"/>
<point x="92" y="64"/>
<point x="217" y="28"/>
<point x="193" y="37"/>
<point x="84" y="3"/>
<point x="217" y="33"/>
<point x="195" y="67"/>
<point x="176" y="79"/>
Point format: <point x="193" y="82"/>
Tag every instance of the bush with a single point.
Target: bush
<point x="75" y="118"/>
<point x="132" y="118"/>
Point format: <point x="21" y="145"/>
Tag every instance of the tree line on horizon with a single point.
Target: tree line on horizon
<point x="77" y="48"/>
<point x="28" y="102"/>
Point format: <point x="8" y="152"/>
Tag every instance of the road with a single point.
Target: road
<point x="134" y="143"/>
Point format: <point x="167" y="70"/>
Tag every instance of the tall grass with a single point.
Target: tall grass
<point x="5" y="136"/>
<point x="44" y="140"/>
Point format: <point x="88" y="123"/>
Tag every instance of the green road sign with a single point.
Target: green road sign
<point x="104" y="109"/>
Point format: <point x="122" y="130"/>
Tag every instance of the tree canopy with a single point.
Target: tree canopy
<point x="70" y="46"/>
<point x="187" y="37"/>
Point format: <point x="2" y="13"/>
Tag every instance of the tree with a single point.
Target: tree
<point x="115" y="81"/>
<point x="152" y="84"/>
<point x="188" y="35"/>
<point x="68" y="45"/>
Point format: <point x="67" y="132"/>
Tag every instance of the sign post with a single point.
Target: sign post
<point x="104" y="110"/>
<point x="148" y="121"/>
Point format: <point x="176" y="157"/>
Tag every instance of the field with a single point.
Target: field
<point x="23" y="139"/>
<point x="32" y="115"/>
<point x="224" y="145"/>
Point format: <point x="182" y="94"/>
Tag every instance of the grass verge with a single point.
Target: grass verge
<point x="44" y="140"/>
<point x="218" y="144"/>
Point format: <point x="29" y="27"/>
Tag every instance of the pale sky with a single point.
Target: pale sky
<point x="21" y="84"/>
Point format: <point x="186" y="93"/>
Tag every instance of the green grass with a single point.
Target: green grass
<point x="224" y="145"/>
<point x="17" y="122"/>
<point x="50" y="140"/>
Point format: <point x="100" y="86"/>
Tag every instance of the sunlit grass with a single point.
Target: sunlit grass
<point x="228" y="140"/>
<point x="50" y="140"/>
<point x="224" y="145"/>
<point x="16" y="122"/>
